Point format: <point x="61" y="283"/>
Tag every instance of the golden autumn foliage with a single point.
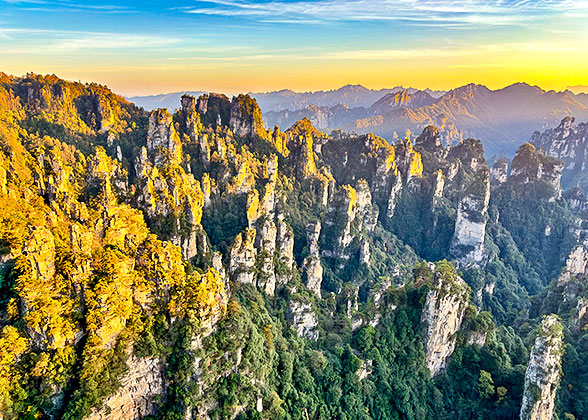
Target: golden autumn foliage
<point x="81" y="268"/>
<point x="200" y="296"/>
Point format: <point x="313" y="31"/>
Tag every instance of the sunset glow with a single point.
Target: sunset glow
<point x="231" y="46"/>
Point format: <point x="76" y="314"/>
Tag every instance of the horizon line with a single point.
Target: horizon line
<point x="583" y="88"/>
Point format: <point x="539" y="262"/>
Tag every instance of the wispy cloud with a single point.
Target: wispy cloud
<point x="65" y="4"/>
<point x="432" y="12"/>
<point x="48" y="41"/>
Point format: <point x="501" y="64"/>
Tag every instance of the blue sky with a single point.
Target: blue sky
<point x="149" y="47"/>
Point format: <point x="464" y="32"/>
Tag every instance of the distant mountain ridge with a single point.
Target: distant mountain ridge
<point x="501" y="118"/>
<point x="169" y="101"/>
<point x="286" y="99"/>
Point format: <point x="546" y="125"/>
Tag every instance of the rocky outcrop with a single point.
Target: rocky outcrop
<point x="242" y="257"/>
<point x="349" y="207"/>
<point x="246" y="117"/>
<point x="303" y="319"/>
<point x="301" y="139"/>
<point x="285" y="253"/>
<point x="467" y="243"/>
<point x="543" y="373"/>
<point x="443" y="314"/>
<point x="135" y="398"/>
<point x="190" y="119"/>
<point x="476" y="337"/>
<point x="531" y="165"/>
<point x="568" y="142"/>
<point x="576" y="264"/>
<point x="162" y="137"/>
<point x="499" y="171"/>
<point x="313" y="268"/>
<point x="266" y="247"/>
<point x="214" y="109"/>
<point x="409" y="160"/>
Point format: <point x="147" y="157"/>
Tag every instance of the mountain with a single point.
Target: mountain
<point x="349" y="95"/>
<point x="568" y="143"/>
<point x="169" y="101"/>
<point x="195" y="265"/>
<point x="401" y="99"/>
<point x="501" y="118"/>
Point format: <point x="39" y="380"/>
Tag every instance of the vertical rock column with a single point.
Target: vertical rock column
<point x="543" y="371"/>
<point x="443" y="313"/>
<point x="467" y="244"/>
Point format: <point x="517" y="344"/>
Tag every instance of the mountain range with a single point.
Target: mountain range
<point x="196" y="265"/>
<point x="501" y="118"/>
<point x="286" y="99"/>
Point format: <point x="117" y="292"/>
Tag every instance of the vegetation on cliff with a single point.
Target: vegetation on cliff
<point x="268" y="275"/>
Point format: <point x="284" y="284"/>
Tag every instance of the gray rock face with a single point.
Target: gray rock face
<point x="190" y="117"/>
<point x="312" y="263"/>
<point x="139" y="387"/>
<point x="499" y="171"/>
<point x="467" y="244"/>
<point x="568" y="143"/>
<point x="285" y="250"/>
<point x="245" y="119"/>
<point x="532" y="165"/>
<point x="242" y="258"/>
<point x="161" y="134"/>
<point x="266" y="246"/>
<point x="443" y="313"/>
<point x="350" y="206"/>
<point x="477" y="337"/>
<point x="543" y="373"/>
<point x="303" y="319"/>
<point x="576" y="263"/>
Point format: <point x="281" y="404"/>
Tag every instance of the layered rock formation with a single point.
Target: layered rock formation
<point x="443" y="314"/>
<point x="139" y="388"/>
<point x="567" y="142"/>
<point x="312" y="263"/>
<point x="467" y="244"/>
<point x="532" y="165"/>
<point x="543" y="373"/>
<point x="499" y="171"/>
<point x="303" y="319"/>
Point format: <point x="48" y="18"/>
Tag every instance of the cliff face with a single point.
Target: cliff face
<point x="499" y="171"/>
<point x="139" y="388"/>
<point x="543" y="373"/>
<point x="245" y="119"/>
<point x="531" y="165"/>
<point x="567" y="143"/>
<point x="443" y="315"/>
<point x="467" y="244"/>
<point x="177" y="266"/>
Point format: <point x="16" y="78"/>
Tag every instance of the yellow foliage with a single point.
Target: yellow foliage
<point x="12" y="346"/>
<point x="416" y="164"/>
<point x="252" y="206"/>
<point x="200" y="296"/>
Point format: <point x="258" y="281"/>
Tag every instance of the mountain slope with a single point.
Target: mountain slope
<point x="196" y="265"/>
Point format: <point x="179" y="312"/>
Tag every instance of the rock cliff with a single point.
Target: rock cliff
<point x="543" y="373"/>
<point x="567" y="142"/>
<point x="531" y="165"/>
<point x="443" y="315"/>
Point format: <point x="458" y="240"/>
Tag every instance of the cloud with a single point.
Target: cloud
<point x="431" y="12"/>
<point x="48" y="41"/>
<point x="51" y="6"/>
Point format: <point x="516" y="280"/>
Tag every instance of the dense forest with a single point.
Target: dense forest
<point x="197" y="265"/>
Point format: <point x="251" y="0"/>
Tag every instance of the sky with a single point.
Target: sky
<point x="230" y="46"/>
